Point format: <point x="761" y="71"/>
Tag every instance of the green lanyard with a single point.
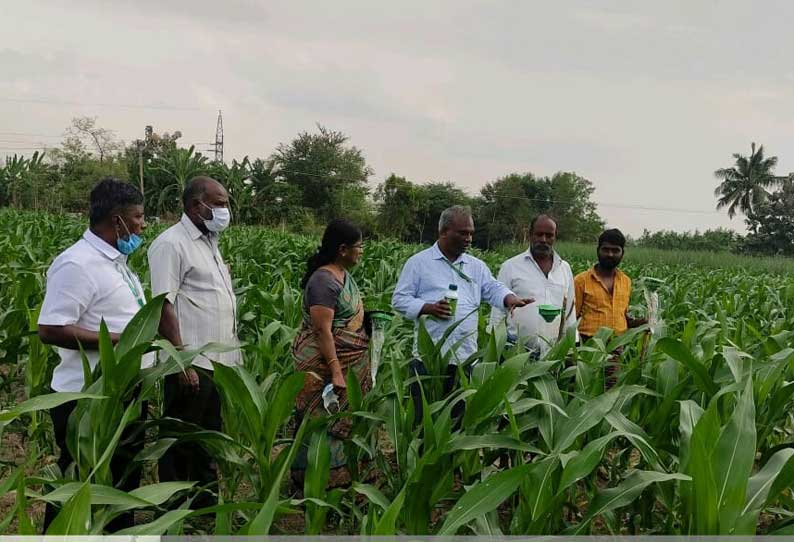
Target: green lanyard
<point x="130" y="284"/>
<point x="460" y="273"/>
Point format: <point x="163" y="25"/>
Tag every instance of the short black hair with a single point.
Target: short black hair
<point x="109" y="195"/>
<point x="195" y="188"/>
<point x="612" y="236"/>
<point x="538" y="217"/>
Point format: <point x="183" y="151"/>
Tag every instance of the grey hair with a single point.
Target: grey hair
<point x="451" y="213"/>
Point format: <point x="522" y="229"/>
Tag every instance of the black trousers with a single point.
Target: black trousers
<point x="188" y="460"/>
<point x="416" y="367"/>
<point x="118" y="463"/>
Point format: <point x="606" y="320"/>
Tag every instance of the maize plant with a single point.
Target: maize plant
<point x="695" y="438"/>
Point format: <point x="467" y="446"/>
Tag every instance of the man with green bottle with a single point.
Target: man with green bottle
<point x="448" y="285"/>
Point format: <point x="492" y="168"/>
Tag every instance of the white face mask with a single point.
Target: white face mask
<point x="221" y="217"/>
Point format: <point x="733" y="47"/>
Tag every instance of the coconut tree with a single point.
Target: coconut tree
<point x="744" y="186"/>
<point x="179" y="166"/>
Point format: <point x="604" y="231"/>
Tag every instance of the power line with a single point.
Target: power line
<point x="20" y="134"/>
<point x="47" y="101"/>
<point x="32" y="138"/>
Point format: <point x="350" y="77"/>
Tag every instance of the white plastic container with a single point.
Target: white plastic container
<point x="330" y="399"/>
<point x="452" y="298"/>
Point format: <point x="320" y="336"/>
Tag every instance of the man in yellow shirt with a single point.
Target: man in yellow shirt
<point x="603" y="291"/>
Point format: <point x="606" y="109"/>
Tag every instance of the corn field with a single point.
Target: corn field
<point x="695" y="438"/>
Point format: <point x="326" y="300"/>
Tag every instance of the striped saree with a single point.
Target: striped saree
<point x="351" y="343"/>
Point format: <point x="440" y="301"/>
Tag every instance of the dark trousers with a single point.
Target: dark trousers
<point x="416" y="367"/>
<point x="122" y="458"/>
<point x="188" y="460"/>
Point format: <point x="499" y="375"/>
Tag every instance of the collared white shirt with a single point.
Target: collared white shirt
<point x="89" y="282"/>
<point x="523" y="275"/>
<point x="425" y="278"/>
<point x="186" y="265"/>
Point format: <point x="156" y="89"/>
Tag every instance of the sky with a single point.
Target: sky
<point x="645" y="99"/>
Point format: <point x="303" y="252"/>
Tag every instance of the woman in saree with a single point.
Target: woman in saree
<point x="332" y="340"/>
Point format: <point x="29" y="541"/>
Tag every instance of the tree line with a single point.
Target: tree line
<point x="320" y="175"/>
<point x="301" y="185"/>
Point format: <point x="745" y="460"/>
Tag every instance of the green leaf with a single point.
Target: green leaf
<point x="316" y="480"/>
<point x="487" y="525"/>
<point x="387" y="525"/>
<point x="764" y="487"/>
<point x="733" y="459"/>
<point x="24" y="524"/>
<point x="241" y="398"/>
<point x="524" y="405"/>
<point x="622" y="495"/>
<point x="700" y="496"/>
<point x="549" y="423"/>
<point x="353" y="391"/>
<point x="160" y="493"/>
<point x="585" y="417"/>
<point x="107" y="358"/>
<point x="142" y="328"/>
<point x="635" y="434"/>
<point x="45" y="402"/>
<point x="320" y="503"/>
<point x="131" y="413"/>
<point x="478" y="442"/>
<point x="689" y="416"/>
<point x="583" y="463"/>
<point x="482" y="498"/>
<point x="282" y="405"/>
<point x="157" y="527"/>
<point x="155" y="451"/>
<point x="679" y="352"/>
<point x="493" y="392"/>
<point x="319" y="461"/>
<point x="100" y="495"/>
<point x="75" y="516"/>
<point x="372" y="493"/>
<point x="260" y="525"/>
<point x="541" y="477"/>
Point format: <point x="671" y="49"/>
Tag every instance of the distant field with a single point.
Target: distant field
<point x="578" y="252"/>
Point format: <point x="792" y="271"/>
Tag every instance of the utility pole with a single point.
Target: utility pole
<point x="219" y="139"/>
<point x="140" y="164"/>
<point x="141" y="144"/>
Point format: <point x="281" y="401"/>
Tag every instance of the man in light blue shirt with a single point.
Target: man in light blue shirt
<point x="427" y="275"/>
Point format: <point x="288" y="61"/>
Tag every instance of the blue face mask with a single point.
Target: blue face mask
<point x="128" y="246"/>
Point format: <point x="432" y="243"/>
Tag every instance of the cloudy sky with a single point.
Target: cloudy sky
<point x="645" y="99"/>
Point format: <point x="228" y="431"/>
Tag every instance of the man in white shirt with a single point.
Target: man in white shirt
<point x="87" y="283"/>
<point x="541" y="274"/>
<point x="200" y="307"/>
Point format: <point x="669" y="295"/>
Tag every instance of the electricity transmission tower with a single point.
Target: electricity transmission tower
<point x="219" y="139"/>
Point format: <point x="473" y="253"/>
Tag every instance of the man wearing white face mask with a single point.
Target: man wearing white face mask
<point x="200" y="307"/>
